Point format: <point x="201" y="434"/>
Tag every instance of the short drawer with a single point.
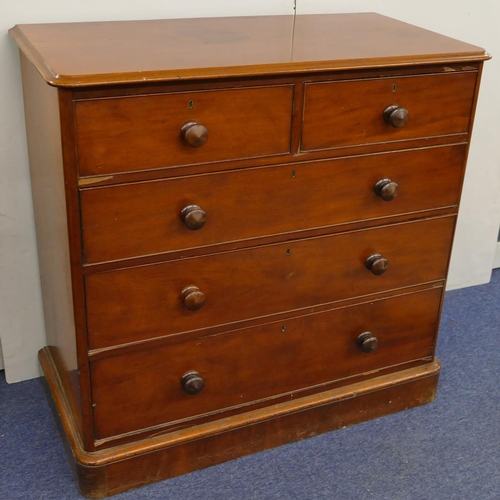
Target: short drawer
<point x="145" y="218"/>
<point x="351" y="113"/>
<point x="144" y="132"/>
<point x="191" y="294"/>
<point x="144" y="388"/>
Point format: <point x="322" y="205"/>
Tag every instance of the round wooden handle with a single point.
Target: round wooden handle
<point x="367" y="342"/>
<point x="386" y="189"/>
<point x="396" y="115"/>
<point x="377" y="264"/>
<point x="193" y="298"/>
<point x="193" y="217"/>
<point x="194" y="134"/>
<point x="192" y="383"/>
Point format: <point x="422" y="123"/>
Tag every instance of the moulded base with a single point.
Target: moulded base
<point x="114" y="470"/>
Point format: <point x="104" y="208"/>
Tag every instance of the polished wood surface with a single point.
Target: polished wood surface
<point x="319" y="348"/>
<point x="144" y="132"/>
<point x="82" y="54"/>
<point x="250" y="203"/>
<point x="352" y="112"/>
<point x="259" y="217"/>
<point x="41" y="107"/>
<point x="144" y="302"/>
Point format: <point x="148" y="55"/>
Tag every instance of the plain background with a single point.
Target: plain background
<point x="21" y="317"/>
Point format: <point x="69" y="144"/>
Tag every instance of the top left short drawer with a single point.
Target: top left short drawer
<point x="126" y="134"/>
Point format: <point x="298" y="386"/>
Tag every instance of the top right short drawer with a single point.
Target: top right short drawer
<point x="371" y="111"/>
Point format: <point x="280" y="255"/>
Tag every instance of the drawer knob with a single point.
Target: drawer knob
<point x="194" y="134"/>
<point x="377" y="264"/>
<point x="367" y="342"/>
<point x="386" y="189"/>
<point x="193" y="217"/>
<point x="193" y="298"/>
<point x="192" y="383"/>
<point x="396" y="115"/>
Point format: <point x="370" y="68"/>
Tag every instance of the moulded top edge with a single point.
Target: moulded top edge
<point x="125" y="52"/>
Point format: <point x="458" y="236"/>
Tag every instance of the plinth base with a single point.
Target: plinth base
<point x="114" y="470"/>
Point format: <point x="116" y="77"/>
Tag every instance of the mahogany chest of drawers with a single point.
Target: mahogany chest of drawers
<point x="244" y="228"/>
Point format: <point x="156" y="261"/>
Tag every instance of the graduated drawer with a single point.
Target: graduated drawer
<point x="144" y="388"/>
<point x="155" y="300"/>
<point x="350" y="113"/>
<point x="138" y="219"/>
<point x="144" y="132"/>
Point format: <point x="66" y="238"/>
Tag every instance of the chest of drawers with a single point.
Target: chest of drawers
<point x="244" y="228"/>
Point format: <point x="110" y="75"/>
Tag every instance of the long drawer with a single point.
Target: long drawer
<point x="144" y="132"/>
<point x="168" y="298"/>
<point x="145" y="387"/>
<point x="349" y="113"/>
<point x="145" y="218"/>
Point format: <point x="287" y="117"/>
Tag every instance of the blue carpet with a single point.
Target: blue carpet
<point x="448" y="450"/>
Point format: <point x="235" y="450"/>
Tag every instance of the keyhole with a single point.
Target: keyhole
<point x="191" y="104"/>
<point x="394" y="88"/>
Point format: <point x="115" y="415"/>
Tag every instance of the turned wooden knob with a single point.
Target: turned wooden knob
<point x="396" y="115"/>
<point x="377" y="264"/>
<point x="194" y="134"/>
<point x="367" y="342"/>
<point x="192" y="383"/>
<point x="193" y="298"/>
<point x="193" y="217"/>
<point x="386" y="189"/>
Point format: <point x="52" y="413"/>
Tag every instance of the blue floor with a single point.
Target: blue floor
<point x="448" y="450"/>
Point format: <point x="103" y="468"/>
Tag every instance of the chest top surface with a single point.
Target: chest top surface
<point x="100" y="53"/>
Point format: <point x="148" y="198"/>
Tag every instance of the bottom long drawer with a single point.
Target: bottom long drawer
<point x="146" y="387"/>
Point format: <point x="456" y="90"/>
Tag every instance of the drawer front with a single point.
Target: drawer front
<point x="144" y="387"/>
<point x="350" y="113"/>
<point x="144" y="132"/>
<point x="144" y="218"/>
<point x="148" y="301"/>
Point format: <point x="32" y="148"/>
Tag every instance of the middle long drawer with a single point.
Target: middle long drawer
<point x="139" y="219"/>
<point x="133" y="304"/>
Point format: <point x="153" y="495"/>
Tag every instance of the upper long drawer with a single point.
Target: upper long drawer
<point x="351" y="113"/>
<point x="144" y="132"/>
<point x="143" y="218"/>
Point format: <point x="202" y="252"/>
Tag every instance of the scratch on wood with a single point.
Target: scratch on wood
<point x="93" y="180"/>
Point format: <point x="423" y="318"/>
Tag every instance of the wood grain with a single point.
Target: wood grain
<point x="338" y="114"/>
<point x="41" y="106"/>
<point x="141" y="133"/>
<point x="133" y="304"/>
<point x="139" y="219"/>
<point x="86" y="54"/>
<point x="293" y="355"/>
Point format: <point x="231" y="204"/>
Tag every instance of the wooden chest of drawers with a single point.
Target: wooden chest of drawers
<point x="244" y="229"/>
